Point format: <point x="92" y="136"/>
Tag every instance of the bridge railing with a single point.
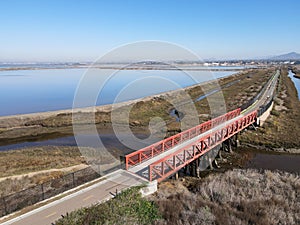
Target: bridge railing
<point x="148" y="152"/>
<point x="171" y="163"/>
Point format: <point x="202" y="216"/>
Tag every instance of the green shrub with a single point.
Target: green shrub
<point x="128" y="207"/>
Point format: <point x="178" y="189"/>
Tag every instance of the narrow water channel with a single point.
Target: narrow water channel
<point x="296" y="82"/>
<point x="109" y="140"/>
<point x="284" y="162"/>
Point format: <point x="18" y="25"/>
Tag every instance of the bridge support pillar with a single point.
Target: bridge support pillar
<point x="228" y="145"/>
<point x="176" y="176"/>
<point x="215" y="162"/>
<point x="236" y="140"/>
<point x="185" y="169"/>
<point x="210" y="163"/>
<point x="197" y="162"/>
<point x="219" y="155"/>
<point x="193" y="168"/>
<point x="238" y="143"/>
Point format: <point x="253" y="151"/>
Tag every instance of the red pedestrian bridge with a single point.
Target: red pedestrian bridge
<point x="164" y="158"/>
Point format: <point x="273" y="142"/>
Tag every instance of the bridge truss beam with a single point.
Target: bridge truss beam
<point x="149" y="152"/>
<point x="170" y="164"/>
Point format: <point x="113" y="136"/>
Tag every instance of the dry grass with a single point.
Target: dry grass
<point x="282" y="128"/>
<point x="15" y="162"/>
<point x="13" y="185"/>
<point x="248" y="86"/>
<point x="20" y="169"/>
<point x="235" y="197"/>
<point x="250" y="83"/>
<point x="24" y="168"/>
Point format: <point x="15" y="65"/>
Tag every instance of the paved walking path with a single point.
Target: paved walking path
<point x="98" y="192"/>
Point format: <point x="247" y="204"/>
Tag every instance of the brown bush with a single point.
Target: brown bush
<point x="235" y="197"/>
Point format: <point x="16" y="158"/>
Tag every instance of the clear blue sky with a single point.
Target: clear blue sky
<point x="48" y="30"/>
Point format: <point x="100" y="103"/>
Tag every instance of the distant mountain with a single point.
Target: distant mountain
<point x="288" y="56"/>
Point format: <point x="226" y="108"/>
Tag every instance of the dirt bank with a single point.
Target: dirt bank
<point x="296" y="71"/>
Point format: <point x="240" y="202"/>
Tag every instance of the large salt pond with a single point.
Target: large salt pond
<point x="29" y="91"/>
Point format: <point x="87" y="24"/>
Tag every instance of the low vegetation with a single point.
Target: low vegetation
<point x="235" y="197"/>
<point x="22" y="161"/>
<point x="247" y="84"/>
<point x="128" y="207"/>
<point x="25" y="168"/>
<point x="15" y="184"/>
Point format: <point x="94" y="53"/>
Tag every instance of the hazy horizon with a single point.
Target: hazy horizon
<point x="133" y="60"/>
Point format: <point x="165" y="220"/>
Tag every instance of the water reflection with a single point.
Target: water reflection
<point x="284" y="162"/>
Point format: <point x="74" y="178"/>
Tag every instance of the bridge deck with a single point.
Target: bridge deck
<point x="142" y="169"/>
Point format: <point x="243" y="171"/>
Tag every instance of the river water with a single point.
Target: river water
<point x="296" y="82"/>
<point x="276" y="161"/>
<point x="109" y="140"/>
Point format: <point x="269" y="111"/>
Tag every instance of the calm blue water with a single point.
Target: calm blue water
<point x="28" y="91"/>
<point x="296" y="82"/>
